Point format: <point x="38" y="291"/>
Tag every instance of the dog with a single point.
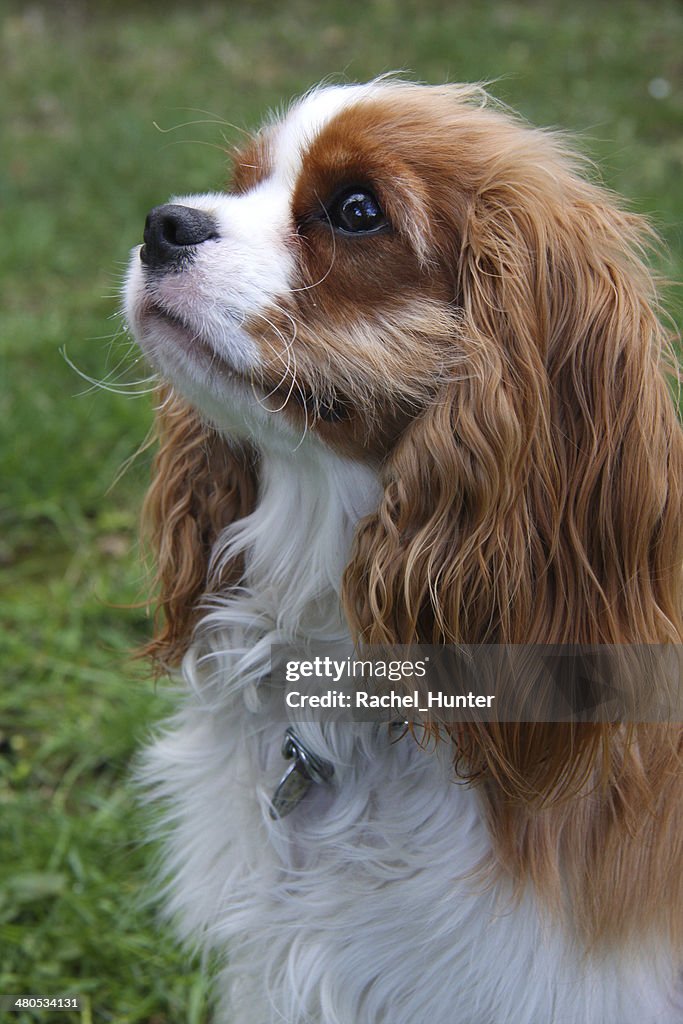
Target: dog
<point x="414" y="390"/>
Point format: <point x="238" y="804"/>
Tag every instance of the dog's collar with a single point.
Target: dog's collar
<point x="304" y="770"/>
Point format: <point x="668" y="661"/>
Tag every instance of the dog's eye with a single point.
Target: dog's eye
<point x="357" y="212"/>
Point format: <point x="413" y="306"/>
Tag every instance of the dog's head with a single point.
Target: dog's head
<point x="325" y="285"/>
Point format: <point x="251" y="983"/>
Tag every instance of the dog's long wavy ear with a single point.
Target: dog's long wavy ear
<point x="538" y="498"/>
<point x="200" y="484"/>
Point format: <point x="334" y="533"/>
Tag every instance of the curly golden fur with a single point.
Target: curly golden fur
<point x="201" y="483"/>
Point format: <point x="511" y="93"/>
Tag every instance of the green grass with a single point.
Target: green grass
<point x="83" y="85"/>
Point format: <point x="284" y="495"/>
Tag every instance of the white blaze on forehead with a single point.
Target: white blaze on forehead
<point x="305" y="121"/>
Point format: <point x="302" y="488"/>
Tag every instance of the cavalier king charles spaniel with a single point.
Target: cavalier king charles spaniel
<point x="414" y="389"/>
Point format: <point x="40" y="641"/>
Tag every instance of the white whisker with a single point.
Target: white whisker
<point x="127" y="389"/>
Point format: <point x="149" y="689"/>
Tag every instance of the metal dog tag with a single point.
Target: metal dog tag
<point x="304" y="770"/>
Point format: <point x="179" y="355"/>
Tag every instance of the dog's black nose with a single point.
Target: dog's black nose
<point x="171" y="231"/>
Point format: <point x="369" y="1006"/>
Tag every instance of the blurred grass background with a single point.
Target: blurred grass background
<point x="82" y="87"/>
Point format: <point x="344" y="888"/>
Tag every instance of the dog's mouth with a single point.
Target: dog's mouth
<point x="156" y="313"/>
<point x="328" y="407"/>
<point x="186" y="336"/>
<point x="159" y="313"/>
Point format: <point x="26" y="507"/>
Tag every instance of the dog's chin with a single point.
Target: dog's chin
<point x="166" y="337"/>
<point x="181" y="355"/>
<point x="235" y="401"/>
